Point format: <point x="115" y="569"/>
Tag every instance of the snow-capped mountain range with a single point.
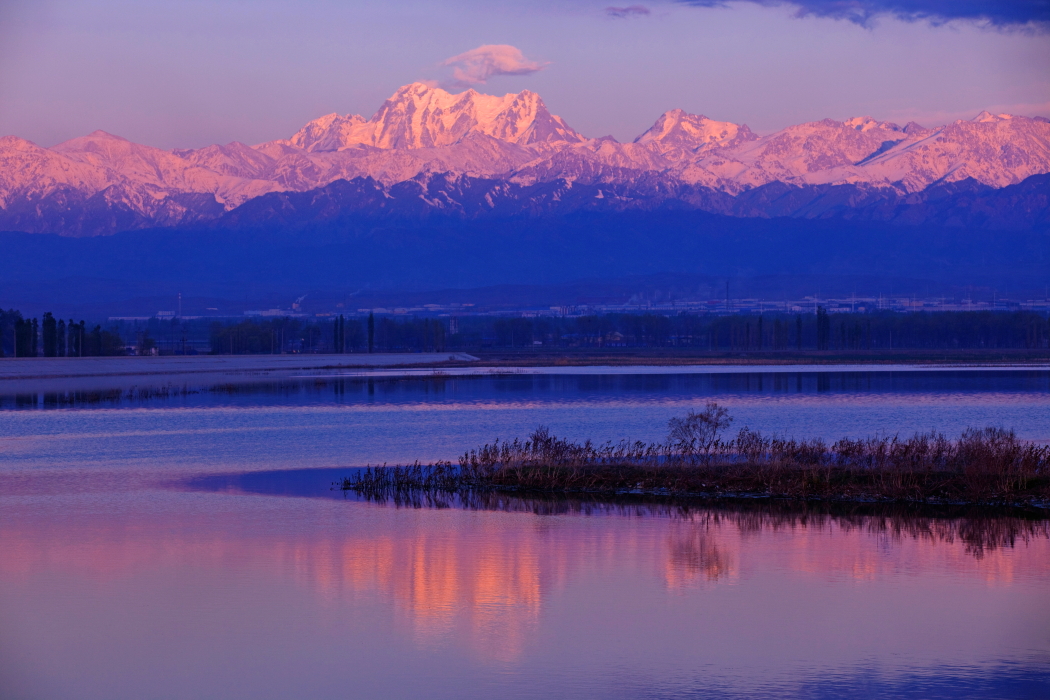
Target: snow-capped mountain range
<point x="102" y="183"/>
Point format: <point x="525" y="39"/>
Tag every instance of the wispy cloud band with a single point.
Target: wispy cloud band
<point x="627" y="12"/>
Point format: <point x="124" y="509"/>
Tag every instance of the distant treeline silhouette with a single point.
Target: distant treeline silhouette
<point x="340" y="335"/>
<point x="754" y="333"/>
<point x="51" y="337"/>
<point x="773" y="332"/>
<point x="767" y="333"/>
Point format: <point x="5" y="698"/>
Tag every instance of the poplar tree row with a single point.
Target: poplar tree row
<point x="770" y="332"/>
<point x="52" y="337"/>
<point x="822" y="331"/>
<point x="341" y="335"/>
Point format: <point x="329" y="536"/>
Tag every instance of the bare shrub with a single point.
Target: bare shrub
<point x="698" y="432"/>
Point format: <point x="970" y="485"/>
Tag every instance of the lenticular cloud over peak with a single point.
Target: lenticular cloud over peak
<point x="476" y="66"/>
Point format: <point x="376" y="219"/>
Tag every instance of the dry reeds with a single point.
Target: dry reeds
<point x="989" y="465"/>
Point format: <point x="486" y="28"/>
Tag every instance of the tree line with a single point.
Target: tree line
<point x="769" y="332"/>
<point x="51" y="337"/>
<point x="339" y="335"/>
<point x="822" y="331"/>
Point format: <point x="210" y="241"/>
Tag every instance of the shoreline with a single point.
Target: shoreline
<point x="17" y="368"/>
<point x="716" y="483"/>
<point x="27" y="375"/>
<point x="92" y="374"/>
<point x="1034" y="505"/>
<point x="656" y="369"/>
<point x="690" y="357"/>
<point x="1039" y="508"/>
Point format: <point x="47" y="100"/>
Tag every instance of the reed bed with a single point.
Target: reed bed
<point x="990" y="465"/>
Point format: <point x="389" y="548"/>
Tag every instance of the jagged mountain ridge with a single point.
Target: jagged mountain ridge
<point x="965" y="203"/>
<point x="102" y="183"/>
<point x="419" y="116"/>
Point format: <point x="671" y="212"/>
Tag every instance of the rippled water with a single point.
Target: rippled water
<point x="188" y="545"/>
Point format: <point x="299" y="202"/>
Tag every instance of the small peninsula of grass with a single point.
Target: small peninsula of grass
<point x="982" y="466"/>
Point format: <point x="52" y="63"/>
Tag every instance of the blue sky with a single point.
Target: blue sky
<point x="190" y="73"/>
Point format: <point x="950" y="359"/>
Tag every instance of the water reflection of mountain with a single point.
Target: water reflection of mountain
<point x="485" y="573"/>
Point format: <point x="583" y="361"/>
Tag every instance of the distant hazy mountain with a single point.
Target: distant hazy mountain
<point x="430" y="153"/>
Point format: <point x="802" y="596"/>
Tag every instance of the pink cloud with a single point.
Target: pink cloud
<point x="476" y="66"/>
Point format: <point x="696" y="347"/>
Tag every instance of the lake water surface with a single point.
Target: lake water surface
<point x="186" y="544"/>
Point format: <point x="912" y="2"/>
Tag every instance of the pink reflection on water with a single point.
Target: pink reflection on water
<point x="106" y="588"/>
<point x="479" y="580"/>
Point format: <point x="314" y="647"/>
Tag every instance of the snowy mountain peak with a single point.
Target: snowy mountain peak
<point x="914" y="128"/>
<point x="987" y="116"/>
<point x="419" y="115"/>
<point x="17" y="143"/>
<point x="96" y="140"/>
<point x="867" y="124"/>
<point x="328" y="133"/>
<point x="422" y="116"/>
<point x="679" y="130"/>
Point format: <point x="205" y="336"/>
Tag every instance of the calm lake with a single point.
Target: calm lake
<point x="184" y="542"/>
